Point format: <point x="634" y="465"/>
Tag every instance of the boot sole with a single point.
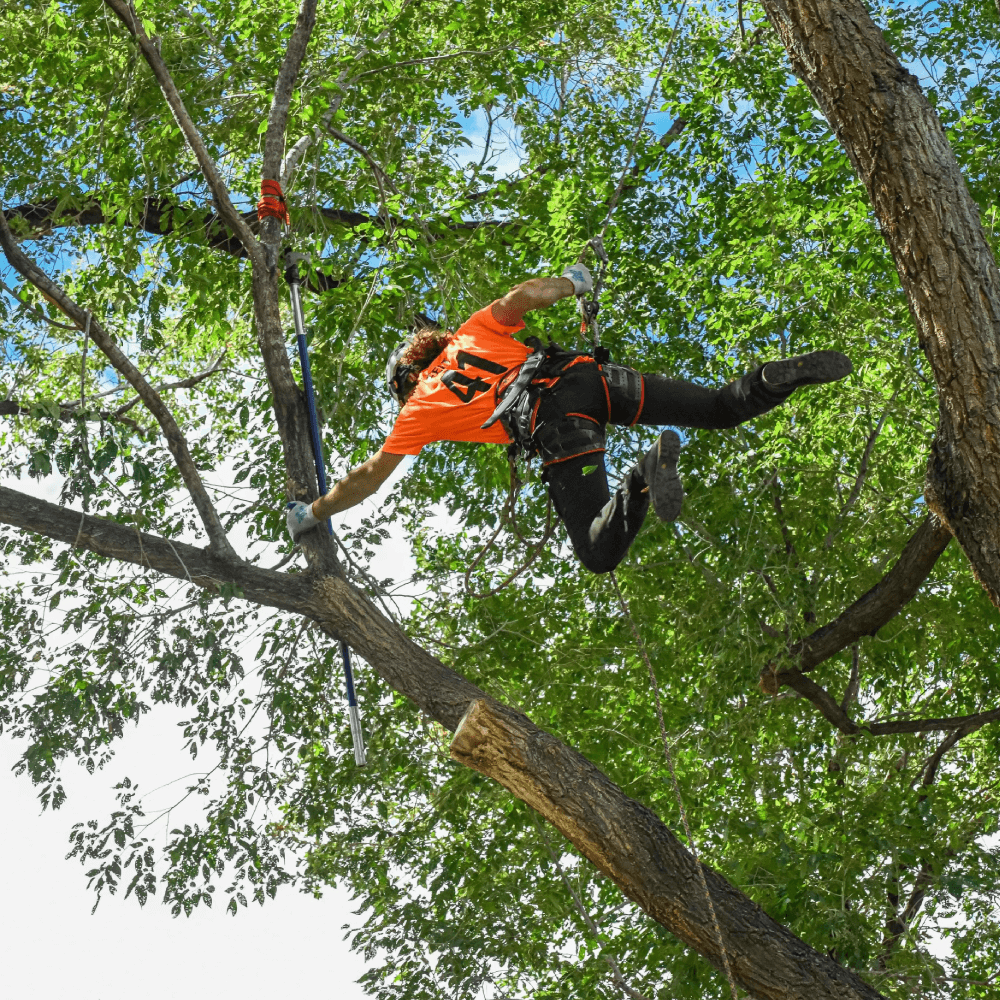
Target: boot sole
<point x="808" y="369"/>
<point x="666" y="493"/>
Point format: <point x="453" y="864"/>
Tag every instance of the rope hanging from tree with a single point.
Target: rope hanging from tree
<point x="677" y="788"/>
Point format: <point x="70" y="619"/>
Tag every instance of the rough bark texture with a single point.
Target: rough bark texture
<point x="881" y="603"/>
<point x="627" y="842"/>
<point x="867" y="614"/>
<point x="623" y="838"/>
<point x="932" y="226"/>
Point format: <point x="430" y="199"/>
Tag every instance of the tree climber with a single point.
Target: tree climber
<point x="481" y="384"/>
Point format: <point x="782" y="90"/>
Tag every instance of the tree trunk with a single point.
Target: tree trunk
<point x="932" y="226"/>
<point x="624" y="839"/>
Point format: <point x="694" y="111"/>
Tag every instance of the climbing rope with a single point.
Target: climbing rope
<point x="677" y="788"/>
<point x="507" y="519"/>
<point x="589" y="307"/>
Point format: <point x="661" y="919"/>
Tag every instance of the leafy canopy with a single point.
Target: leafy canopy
<point x="499" y="132"/>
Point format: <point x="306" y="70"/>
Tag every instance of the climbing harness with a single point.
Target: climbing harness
<point x="294" y="283"/>
<point x="677" y="788"/>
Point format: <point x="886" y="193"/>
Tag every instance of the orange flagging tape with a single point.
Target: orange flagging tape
<point x="272" y="203"/>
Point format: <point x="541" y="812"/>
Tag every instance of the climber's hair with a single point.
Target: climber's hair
<point x="426" y="343"/>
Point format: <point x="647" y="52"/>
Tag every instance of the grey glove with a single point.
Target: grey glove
<point x="579" y="274"/>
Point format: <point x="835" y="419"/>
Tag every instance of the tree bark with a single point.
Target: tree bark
<point x="875" y="608"/>
<point x="932" y="226"/>
<point x="623" y="838"/>
<point x="630" y="845"/>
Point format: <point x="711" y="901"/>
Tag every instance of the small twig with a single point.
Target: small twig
<point x="83" y="363"/>
<point x="859" y="480"/>
<point x="852" y="685"/>
<point x="612" y="962"/>
<point x="382" y="179"/>
<point x="185" y="383"/>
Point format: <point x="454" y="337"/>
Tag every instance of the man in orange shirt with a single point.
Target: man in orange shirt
<point x="481" y="384"/>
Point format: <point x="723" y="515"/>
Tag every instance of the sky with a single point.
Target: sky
<point x="52" y="947"/>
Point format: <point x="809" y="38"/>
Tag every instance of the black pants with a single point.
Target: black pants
<point x="601" y="527"/>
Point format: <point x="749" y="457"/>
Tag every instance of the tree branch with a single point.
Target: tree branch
<point x="859" y="480"/>
<point x="623" y="838"/>
<point x="176" y="441"/>
<point x="12" y="408"/>
<point x="609" y="958"/>
<point x="164" y="216"/>
<point x="853" y="683"/>
<point x="185" y="383"/>
<point x="277" y="119"/>
<point x="899" y="922"/>
<point x="934" y="230"/>
<point x="630" y="845"/>
<point x="220" y="195"/>
<point x="870" y="611"/>
<point x="837" y="715"/>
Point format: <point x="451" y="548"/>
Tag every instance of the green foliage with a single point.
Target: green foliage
<point x="746" y="238"/>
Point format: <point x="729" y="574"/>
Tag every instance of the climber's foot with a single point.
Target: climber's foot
<point x="807" y="369"/>
<point x="666" y="493"/>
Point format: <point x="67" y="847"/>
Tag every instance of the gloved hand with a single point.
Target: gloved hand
<point x="299" y="518"/>
<point x="580" y="276"/>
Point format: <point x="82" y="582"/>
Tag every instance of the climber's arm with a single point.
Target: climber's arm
<point x="359" y="484"/>
<point x="537" y="293"/>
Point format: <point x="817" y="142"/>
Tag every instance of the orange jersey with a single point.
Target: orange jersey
<point x="457" y="393"/>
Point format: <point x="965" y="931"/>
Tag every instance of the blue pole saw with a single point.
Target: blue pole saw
<point x="294" y="287"/>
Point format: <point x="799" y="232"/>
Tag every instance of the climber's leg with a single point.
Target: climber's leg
<point x="684" y="404"/>
<point x="601" y="527"/>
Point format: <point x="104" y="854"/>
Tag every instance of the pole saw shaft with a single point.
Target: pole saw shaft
<point x="292" y="277"/>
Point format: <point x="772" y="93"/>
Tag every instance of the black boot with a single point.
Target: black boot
<point x="659" y="470"/>
<point x="806" y="369"/>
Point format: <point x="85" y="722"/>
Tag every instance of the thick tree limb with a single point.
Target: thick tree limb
<point x="964" y="723"/>
<point x="220" y="195"/>
<point x="932" y="226"/>
<point x="162" y="216"/>
<point x="176" y="441"/>
<point x="623" y="838"/>
<point x="836" y="714"/>
<point x="631" y="846"/>
<point x="870" y="611"/>
<point x="158" y="215"/>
